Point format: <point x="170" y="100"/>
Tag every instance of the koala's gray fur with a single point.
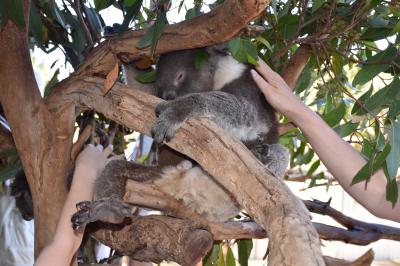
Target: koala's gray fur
<point x="184" y="182"/>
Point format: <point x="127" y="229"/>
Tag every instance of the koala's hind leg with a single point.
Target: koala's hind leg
<point x="109" y="188"/>
<point x="274" y="156"/>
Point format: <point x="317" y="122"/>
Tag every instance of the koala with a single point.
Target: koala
<point x="221" y="90"/>
<point x="224" y="91"/>
<point x="184" y="181"/>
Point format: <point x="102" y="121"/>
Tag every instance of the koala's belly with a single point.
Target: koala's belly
<point x="199" y="192"/>
<point x="249" y="133"/>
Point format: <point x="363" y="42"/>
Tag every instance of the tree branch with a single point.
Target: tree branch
<point x="217" y="26"/>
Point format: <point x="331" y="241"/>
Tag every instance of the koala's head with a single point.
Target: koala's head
<point x="178" y="76"/>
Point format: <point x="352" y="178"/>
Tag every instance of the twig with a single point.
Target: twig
<point x="83" y="137"/>
<point x="77" y="8"/>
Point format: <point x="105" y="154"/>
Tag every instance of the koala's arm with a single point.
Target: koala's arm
<point x="109" y="189"/>
<point x="228" y="111"/>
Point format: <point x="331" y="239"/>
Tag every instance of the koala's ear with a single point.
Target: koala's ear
<point x="218" y="49"/>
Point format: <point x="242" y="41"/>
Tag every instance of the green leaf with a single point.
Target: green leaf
<point x="371" y="166"/>
<point x="132" y="12"/>
<point x="368" y="148"/>
<point x="13" y="10"/>
<point x="263" y="41"/>
<point x="35" y="24"/>
<point x="153" y="34"/>
<point x="243" y="50"/>
<point x="313" y="168"/>
<point x="212" y="256"/>
<point x="199" y="58"/>
<point x="377" y="22"/>
<point x="9" y="171"/>
<point x="363" y="98"/>
<point x="375" y="34"/>
<point x="346" y="129"/>
<point x="53" y="81"/>
<point x="148" y="77"/>
<point x="317" y="4"/>
<point x="94" y="19"/>
<point x="333" y="118"/>
<point x="288" y="26"/>
<point x="244" y="249"/>
<point x="393" y="159"/>
<point x="234" y="45"/>
<point x="8" y="153"/>
<point x="383" y="96"/>
<point x="368" y="72"/>
<point x="230" y="258"/>
<point x="220" y="260"/>
<point x="102" y="4"/>
<point x="56" y="12"/>
<point x="192" y="12"/>
<point x="392" y="191"/>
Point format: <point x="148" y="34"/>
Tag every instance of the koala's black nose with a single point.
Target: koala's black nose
<point x="168" y="95"/>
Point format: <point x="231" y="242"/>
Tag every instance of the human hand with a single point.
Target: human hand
<point x="275" y="90"/>
<point x="93" y="158"/>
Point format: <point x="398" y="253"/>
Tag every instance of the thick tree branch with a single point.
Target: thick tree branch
<point x="157" y="238"/>
<point x="264" y="197"/>
<point x="296" y="64"/>
<point x="219" y="25"/>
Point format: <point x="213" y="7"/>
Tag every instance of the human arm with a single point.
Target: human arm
<point x="339" y="157"/>
<point x="66" y="241"/>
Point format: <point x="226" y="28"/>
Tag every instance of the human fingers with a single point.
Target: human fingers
<point x="107" y="151"/>
<point x="261" y="82"/>
<point x="99" y="147"/>
<point x="267" y="73"/>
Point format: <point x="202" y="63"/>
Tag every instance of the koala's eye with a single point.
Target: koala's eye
<point x="179" y="77"/>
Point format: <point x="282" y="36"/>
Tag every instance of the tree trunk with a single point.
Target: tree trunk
<point x="43" y="139"/>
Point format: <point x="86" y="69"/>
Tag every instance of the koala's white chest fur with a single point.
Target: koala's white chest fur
<point x="228" y="69"/>
<point x="198" y="191"/>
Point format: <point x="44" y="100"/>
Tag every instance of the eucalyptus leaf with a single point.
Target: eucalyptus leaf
<point x="148" y="77"/>
<point x="393" y="159"/>
<point x="230" y="258"/>
<point x="9" y="171"/>
<point x="369" y="71"/>
<point x="244" y="249"/>
<point x="392" y="191"/>
<point x="376" y="162"/>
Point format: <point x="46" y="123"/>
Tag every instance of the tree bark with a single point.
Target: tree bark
<point x="158" y="238"/>
<point x="266" y="198"/>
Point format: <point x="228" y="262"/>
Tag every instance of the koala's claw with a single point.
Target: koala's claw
<point x="160" y="108"/>
<point x="105" y="210"/>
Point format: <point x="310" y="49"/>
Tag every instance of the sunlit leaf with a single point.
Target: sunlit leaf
<point x="369" y="71"/>
<point x="334" y="117"/>
<point x="148" y="77"/>
<point x="346" y="129"/>
<point x="371" y="166"/>
<point x="230" y="258"/>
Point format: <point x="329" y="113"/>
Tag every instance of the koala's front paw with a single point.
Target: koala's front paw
<point x="105" y="210"/>
<point x="169" y="119"/>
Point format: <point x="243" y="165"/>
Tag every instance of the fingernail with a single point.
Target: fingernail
<point x="253" y="73"/>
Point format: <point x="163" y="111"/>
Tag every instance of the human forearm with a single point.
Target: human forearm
<point x="342" y="160"/>
<point x="66" y="241"/>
